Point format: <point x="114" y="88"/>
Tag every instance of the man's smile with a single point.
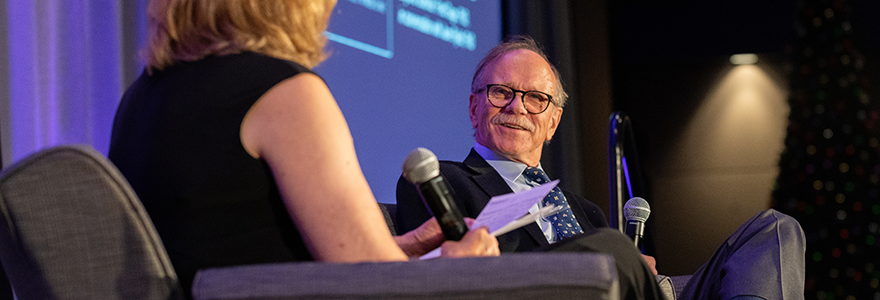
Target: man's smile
<point x="513" y="126"/>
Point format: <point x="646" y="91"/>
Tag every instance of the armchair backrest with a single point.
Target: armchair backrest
<point x="72" y="228"/>
<point x="389" y="211"/>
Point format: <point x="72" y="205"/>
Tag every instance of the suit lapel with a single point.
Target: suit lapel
<point x="493" y="184"/>
<point x="486" y="178"/>
<point x="577" y="210"/>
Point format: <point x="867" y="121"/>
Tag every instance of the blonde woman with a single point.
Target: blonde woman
<point x="240" y="153"/>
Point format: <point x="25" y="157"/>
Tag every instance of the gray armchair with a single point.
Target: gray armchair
<point x="71" y="228"/>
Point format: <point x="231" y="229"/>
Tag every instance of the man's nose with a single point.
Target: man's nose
<point x="517" y="105"/>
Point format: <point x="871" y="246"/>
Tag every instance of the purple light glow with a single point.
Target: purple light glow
<point x="65" y="73"/>
<point x="626" y="175"/>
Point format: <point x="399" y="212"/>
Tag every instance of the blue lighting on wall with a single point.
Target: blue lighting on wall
<point x="626" y="175"/>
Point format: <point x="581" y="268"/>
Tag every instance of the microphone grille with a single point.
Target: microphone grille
<point x="420" y="165"/>
<point x="636" y="209"/>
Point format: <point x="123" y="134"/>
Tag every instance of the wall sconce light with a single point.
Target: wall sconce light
<point x="744" y="59"/>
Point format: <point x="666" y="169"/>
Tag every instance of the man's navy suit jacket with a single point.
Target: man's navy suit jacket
<point x="473" y="183"/>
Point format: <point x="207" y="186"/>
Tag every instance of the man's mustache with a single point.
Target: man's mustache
<point x="513" y="121"/>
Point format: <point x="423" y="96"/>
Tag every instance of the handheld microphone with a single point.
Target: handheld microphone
<point x="636" y="212"/>
<point x="422" y="169"/>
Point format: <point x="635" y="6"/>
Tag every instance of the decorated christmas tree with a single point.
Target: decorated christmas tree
<point x="829" y="176"/>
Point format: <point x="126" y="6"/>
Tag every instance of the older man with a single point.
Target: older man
<point x="515" y="106"/>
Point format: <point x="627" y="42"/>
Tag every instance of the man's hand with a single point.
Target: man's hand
<point x="477" y="242"/>
<point x="651" y="263"/>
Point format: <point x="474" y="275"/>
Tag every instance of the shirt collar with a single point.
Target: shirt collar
<point x="508" y="169"/>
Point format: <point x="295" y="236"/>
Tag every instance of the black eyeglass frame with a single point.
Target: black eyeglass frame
<point x="522" y="98"/>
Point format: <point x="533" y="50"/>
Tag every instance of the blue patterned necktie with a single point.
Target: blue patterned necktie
<point x="563" y="221"/>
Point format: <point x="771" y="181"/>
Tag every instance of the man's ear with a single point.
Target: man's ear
<point x="472" y="109"/>
<point x="555" y="116"/>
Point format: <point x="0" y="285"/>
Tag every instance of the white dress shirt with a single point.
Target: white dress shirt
<point x="511" y="171"/>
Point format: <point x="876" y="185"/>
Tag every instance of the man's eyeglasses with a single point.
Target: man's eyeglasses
<point x="501" y="96"/>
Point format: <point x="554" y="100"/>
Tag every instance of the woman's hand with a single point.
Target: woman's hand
<point x="429" y="236"/>
<point x="476" y="242"/>
<point x="421" y="240"/>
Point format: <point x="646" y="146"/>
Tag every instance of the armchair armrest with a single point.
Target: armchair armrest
<point x="510" y="276"/>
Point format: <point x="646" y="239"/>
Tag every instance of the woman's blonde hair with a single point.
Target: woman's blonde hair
<point x="188" y="30"/>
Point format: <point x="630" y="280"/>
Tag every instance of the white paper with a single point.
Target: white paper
<point x="506" y="209"/>
<point x="528" y="219"/>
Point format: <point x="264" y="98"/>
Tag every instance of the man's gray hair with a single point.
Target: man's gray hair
<point x="511" y="44"/>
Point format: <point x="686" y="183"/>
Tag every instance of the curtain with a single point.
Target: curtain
<point x="67" y="63"/>
<point x="549" y="23"/>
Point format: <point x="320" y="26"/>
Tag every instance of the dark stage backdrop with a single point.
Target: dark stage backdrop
<point x="401" y="72"/>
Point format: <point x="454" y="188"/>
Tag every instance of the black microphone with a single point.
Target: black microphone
<point x="422" y="169"/>
<point x="636" y="212"/>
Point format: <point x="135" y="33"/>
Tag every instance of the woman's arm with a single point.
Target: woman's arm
<point x="298" y="129"/>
